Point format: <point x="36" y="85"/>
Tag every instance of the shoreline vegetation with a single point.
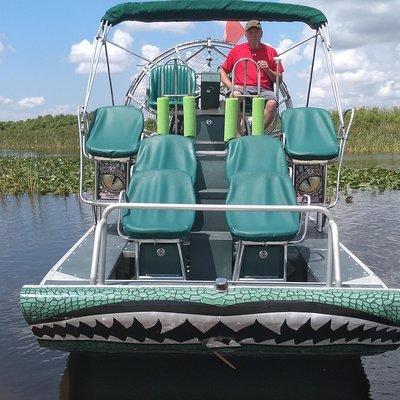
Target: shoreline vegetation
<point x="374" y="131"/>
<point x="60" y="176"/>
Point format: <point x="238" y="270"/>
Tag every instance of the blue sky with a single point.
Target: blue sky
<point x="44" y="46"/>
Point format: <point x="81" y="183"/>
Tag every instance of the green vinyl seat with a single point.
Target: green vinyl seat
<point x="178" y="79"/>
<point x="255" y="154"/>
<point x="262" y="188"/>
<point x="165" y="187"/>
<point x="115" y="132"/>
<point x="310" y="134"/>
<point x="174" y="152"/>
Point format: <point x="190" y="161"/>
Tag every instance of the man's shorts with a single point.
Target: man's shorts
<point x="265" y="93"/>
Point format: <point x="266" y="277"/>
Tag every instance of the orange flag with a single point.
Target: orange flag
<point x="233" y="31"/>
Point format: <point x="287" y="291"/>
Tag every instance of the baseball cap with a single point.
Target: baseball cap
<point x="253" y="23"/>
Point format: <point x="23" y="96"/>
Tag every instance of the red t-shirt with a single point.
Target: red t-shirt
<point x="262" y="53"/>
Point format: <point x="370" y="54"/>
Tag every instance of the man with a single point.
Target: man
<point x="263" y="55"/>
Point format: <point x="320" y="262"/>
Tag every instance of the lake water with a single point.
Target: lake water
<point x="35" y="233"/>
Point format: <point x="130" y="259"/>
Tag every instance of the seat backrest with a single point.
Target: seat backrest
<point x="255" y="154"/>
<point x="310" y="134"/>
<point x="115" y="132"/>
<point x="173" y="152"/>
<point x="171" y="79"/>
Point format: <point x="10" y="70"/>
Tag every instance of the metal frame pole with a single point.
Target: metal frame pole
<point x="311" y="71"/>
<point x="109" y="73"/>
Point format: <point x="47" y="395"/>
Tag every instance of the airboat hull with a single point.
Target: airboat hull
<point x="201" y="318"/>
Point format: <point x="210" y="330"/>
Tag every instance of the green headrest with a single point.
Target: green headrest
<point x="310" y="134"/>
<point x="115" y="132"/>
<point x="167" y="152"/>
<point x="256" y="154"/>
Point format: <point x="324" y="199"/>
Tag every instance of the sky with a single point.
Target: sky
<point x="45" y="49"/>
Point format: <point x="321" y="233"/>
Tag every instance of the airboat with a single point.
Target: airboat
<point x="201" y="240"/>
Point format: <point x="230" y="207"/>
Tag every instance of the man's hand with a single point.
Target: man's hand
<point x="263" y="65"/>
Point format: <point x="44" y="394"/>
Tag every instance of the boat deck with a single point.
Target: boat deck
<point x="306" y="262"/>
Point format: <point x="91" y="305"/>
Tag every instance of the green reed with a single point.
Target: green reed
<point x="56" y="175"/>
<point x="374" y="130"/>
<point x="45" y="134"/>
<point x="60" y="176"/>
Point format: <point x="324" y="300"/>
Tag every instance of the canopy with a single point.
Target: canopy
<point x="207" y="10"/>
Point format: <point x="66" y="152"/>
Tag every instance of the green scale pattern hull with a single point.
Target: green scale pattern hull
<point x="167" y="318"/>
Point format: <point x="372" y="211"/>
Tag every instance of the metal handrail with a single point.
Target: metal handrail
<point x="246" y="60"/>
<point x="97" y="273"/>
<point x="343" y="141"/>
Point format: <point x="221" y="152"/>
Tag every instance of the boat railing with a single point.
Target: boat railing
<point x="333" y="274"/>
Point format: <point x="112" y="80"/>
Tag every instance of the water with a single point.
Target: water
<point x="381" y="160"/>
<point x="35" y="233"/>
<point x="35" y="154"/>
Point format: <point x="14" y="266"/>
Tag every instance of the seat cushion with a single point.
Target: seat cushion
<point x="255" y="154"/>
<point x="310" y="134"/>
<point x="265" y="189"/>
<point x="165" y="187"/>
<point x="115" y="132"/>
<point x="167" y="152"/>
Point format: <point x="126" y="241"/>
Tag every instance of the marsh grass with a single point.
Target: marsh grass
<point x="365" y="179"/>
<point x="56" y="134"/>
<point x="60" y="176"/>
<point x="374" y="130"/>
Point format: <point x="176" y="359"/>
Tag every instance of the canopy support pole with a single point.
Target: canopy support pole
<point x="311" y="71"/>
<point x="130" y="52"/>
<point x="297" y="45"/>
<point x="98" y="43"/>
<point x="332" y="72"/>
<point x="109" y="74"/>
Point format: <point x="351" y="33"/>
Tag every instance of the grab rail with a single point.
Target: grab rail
<point x="97" y="273"/>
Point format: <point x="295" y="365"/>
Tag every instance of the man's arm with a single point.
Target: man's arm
<point x="271" y="74"/>
<point x="225" y="79"/>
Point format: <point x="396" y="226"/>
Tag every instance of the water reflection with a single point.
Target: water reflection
<point x="95" y="376"/>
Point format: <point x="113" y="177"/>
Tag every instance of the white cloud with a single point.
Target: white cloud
<point x="80" y="51"/>
<point x="365" y="41"/>
<point x="150" y="52"/>
<point x="5" y="100"/>
<point x="169" y="27"/>
<point x="386" y="89"/>
<point x="30" y="102"/>
<point x="291" y="57"/>
<point x="81" y="54"/>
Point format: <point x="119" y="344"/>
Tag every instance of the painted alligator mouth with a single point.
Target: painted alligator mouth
<point x="272" y="328"/>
